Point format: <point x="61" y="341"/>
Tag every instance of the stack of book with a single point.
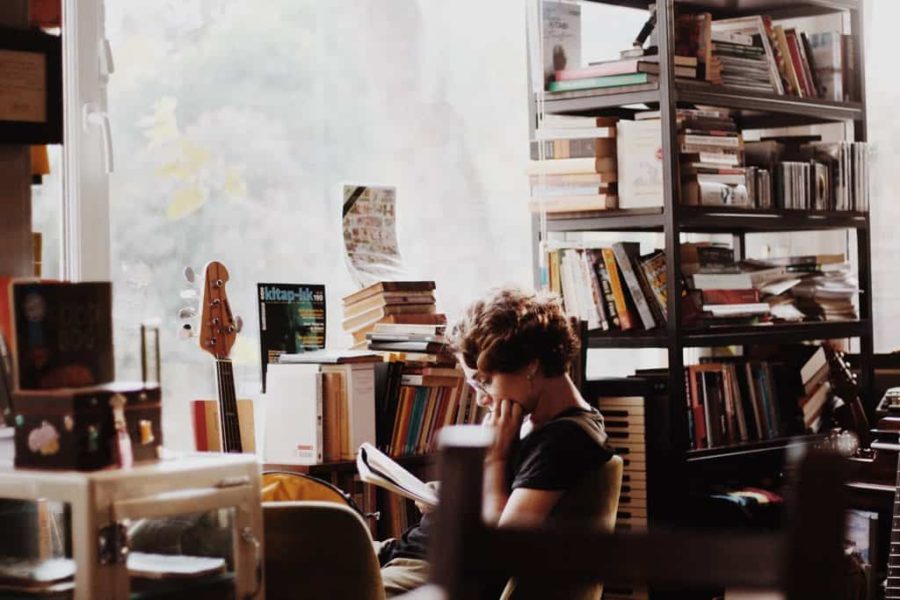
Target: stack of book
<point x="407" y="302"/>
<point x="711" y="154"/>
<point x="743" y="58"/>
<point x="620" y="75"/>
<point x="814" y="376"/>
<point x="573" y="165"/>
<point x="726" y="292"/>
<point x="613" y="288"/>
<point x="828" y="294"/>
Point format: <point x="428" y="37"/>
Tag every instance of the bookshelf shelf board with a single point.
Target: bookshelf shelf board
<point x="756" y="110"/>
<point x="707" y="220"/>
<point x="627" y="339"/>
<point x="718" y="219"/>
<point x="750" y="448"/>
<point x="807" y="110"/>
<point x="636" y="219"/>
<point x="723" y="8"/>
<point x="731" y="336"/>
<point x="782" y="333"/>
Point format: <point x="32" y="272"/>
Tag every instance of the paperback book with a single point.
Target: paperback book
<point x="379" y="469"/>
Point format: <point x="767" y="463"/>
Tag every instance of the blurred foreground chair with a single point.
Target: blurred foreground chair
<point x="317" y="543"/>
<point x="804" y="562"/>
<point x="319" y="550"/>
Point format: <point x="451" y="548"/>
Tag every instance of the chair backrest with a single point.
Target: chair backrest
<point x="319" y="550"/>
<point x="280" y="486"/>
<point x="595" y="501"/>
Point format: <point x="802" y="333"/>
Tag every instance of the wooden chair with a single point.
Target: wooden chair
<point x="805" y="561"/>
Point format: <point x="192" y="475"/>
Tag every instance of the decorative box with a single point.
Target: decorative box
<point x="87" y="428"/>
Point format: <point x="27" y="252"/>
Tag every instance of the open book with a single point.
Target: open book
<point x="379" y="469"/>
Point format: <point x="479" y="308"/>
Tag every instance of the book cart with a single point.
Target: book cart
<point x="102" y="502"/>
<point x="752" y="110"/>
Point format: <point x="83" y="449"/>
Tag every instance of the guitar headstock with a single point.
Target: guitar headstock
<point x="218" y="327"/>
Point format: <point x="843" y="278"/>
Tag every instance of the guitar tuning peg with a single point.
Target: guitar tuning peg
<point x="238" y="324"/>
<point x="188" y="312"/>
<point x="189" y="274"/>
<point x="186" y="332"/>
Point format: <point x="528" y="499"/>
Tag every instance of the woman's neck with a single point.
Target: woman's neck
<point x="557" y="395"/>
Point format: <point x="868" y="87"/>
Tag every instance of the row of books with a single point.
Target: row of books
<point x="794" y="288"/>
<point x="810" y="174"/>
<point x="755" y="54"/>
<point x="731" y="402"/>
<point x="613" y="289"/>
<point x="750" y="53"/>
<point x="617" y="289"/>
<point x="617" y="164"/>
<point x="418" y="412"/>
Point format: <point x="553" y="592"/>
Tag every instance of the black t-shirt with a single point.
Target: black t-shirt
<point x="555" y="456"/>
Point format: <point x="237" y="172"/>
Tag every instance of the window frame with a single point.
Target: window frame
<point x="85" y="203"/>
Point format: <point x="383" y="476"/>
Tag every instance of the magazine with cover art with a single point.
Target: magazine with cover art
<point x="291" y="320"/>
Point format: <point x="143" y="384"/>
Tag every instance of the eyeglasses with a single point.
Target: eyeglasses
<point x="477" y="385"/>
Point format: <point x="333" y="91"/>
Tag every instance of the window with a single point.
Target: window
<point x="235" y="124"/>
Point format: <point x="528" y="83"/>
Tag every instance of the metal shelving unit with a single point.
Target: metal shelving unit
<point x="752" y="111"/>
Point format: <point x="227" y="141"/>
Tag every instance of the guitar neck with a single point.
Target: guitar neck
<point x="228" y="414"/>
<point x="892" y="590"/>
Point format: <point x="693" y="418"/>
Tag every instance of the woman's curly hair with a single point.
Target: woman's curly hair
<point x="508" y="329"/>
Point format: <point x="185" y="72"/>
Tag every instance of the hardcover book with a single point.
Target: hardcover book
<point x="291" y="320"/>
<point x="62" y="334"/>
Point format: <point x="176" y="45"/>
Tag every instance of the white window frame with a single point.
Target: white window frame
<point x="87" y="151"/>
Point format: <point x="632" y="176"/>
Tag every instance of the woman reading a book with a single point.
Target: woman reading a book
<point x="515" y="349"/>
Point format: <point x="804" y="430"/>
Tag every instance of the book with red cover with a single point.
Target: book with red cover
<point x="730" y="296"/>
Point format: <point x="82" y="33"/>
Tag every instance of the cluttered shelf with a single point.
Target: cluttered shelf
<point x="736" y="8"/>
<point x="748" y="449"/>
<point x="708" y="219"/>
<point x="732" y="336"/>
<point x="752" y="106"/>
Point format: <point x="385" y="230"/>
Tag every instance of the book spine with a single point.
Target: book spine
<point x="618" y="292"/>
<point x="609" y="299"/>
<point x="622" y="257"/>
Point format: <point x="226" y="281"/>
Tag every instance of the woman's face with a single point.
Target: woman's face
<point x="491" y="388"/>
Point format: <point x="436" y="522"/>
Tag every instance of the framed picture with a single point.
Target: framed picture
<point x="30" y="87"/>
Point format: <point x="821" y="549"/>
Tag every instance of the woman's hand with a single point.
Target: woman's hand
<point x="506" y="421"/>
<point x="424" y="508"/>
